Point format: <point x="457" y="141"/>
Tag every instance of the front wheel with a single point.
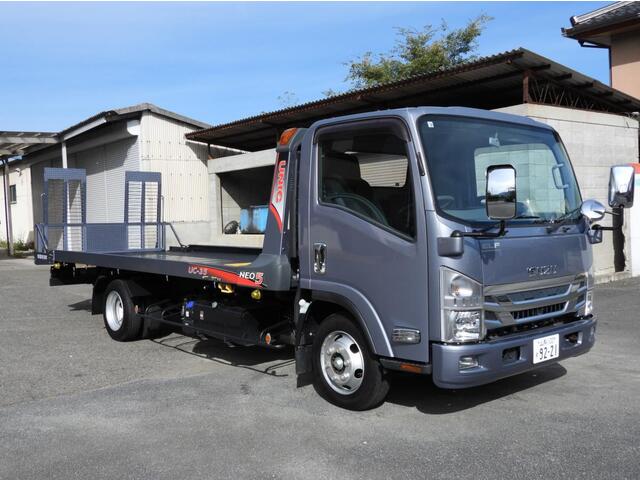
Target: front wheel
<point x="345" y="371"/>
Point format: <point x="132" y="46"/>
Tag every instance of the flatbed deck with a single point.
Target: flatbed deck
<point x="222" y="264"/>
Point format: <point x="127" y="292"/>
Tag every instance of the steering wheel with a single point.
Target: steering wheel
<point x="370" y="209"/>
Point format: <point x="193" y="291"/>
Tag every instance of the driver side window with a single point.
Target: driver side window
<point x="367" y="172"/>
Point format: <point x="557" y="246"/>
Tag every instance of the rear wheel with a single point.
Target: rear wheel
<point x="120" y="318"/>
<point x="345" y="371"/>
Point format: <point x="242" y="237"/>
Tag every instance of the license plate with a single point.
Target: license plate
<point x="546" y="348"/>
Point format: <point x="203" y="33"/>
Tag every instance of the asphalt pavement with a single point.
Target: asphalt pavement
<point x="76" y="405"/>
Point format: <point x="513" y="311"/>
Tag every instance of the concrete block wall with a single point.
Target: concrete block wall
<point x="242" y="189"/>
<point x="230" y="207"/>
<point x="220" y="199"/>
<point x="595" y="141"/>
<point x="533" y="173"/>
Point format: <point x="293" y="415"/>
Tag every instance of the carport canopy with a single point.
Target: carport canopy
<point x="15" y="144"/>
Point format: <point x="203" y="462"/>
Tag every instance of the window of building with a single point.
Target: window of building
<point x="13" y="197"/>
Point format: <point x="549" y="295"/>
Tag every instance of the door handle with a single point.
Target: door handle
<point x="320" y="258"/>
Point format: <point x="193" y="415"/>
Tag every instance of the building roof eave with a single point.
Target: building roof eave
<point x="494" y="80"/>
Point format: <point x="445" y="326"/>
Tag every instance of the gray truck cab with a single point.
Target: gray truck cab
<point x="456" y="239"/>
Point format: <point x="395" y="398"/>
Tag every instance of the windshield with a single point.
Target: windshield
<point x="459" y="150"/>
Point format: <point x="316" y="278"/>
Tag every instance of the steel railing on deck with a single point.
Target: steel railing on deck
<point x="103" y="237"/>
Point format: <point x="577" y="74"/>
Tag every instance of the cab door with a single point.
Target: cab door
<point x="365" y="234"/>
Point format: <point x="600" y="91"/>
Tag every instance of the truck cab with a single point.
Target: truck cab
<point x="455" y="239"/>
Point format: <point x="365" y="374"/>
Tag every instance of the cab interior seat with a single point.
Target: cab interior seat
<point x="343" y="185"/>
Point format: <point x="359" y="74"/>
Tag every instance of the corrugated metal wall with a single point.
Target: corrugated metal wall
<point x="185" y="181"/>
<point x="105" y="166"/>
<point x="37" y="185"/>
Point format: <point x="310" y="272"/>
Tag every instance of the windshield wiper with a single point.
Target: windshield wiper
<point x="537" y="219"/>
<point x="485" y="232"/>
<point x="561" y="220"/>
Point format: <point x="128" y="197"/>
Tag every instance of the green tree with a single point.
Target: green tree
<point x="418" y="52"/>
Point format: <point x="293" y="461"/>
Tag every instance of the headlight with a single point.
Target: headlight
<point x="588" y="299"/>
<point x="588" y="304"/>
<point x="462" y="314"/>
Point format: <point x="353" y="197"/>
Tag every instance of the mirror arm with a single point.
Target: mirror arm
<point x="604" y="229"/>
<point x="620" y="218"/>
<point x="483" y="233"/>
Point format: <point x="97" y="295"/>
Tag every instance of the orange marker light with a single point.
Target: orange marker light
<point x="407" y="367"/>
<point x="287" y="135"/>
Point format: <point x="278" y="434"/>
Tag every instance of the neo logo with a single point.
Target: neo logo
<point x="255" y="277"/>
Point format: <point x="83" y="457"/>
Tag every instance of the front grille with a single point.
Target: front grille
<point x="525" y="305"/>
<point x="538" y="311"/>
<point x="527" y="327"/>
<point x="529" y="295"/>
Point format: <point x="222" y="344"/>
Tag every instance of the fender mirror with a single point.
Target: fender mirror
<point x="501" y="192"/>
<point x="621" y="186"/>
<point x="593" y="210"/>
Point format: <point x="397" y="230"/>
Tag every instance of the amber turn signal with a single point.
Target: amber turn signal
<point x="287" y="135"/>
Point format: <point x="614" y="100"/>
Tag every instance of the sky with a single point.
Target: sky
<point x="218" y="62"/>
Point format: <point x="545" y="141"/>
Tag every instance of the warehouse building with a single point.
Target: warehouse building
<point x="138" y="138"/>
<point x="597" y="123"/>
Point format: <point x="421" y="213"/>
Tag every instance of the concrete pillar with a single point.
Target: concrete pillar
<point x="634" y="226"/>
<point x="64" y="154"/>
<point x="215" y="206"/>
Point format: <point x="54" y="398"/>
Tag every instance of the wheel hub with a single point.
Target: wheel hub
<point x="342" y="362"/>
<point x="114" y="310"/>
<point x="337" y="362"/>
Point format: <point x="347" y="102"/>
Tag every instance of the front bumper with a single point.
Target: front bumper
<point x="492" y="364"/>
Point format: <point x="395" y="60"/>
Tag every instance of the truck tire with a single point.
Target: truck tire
<point x="120" y="318"/>
<point x="345" y="372"/>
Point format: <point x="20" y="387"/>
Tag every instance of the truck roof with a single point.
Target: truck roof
<point x="415" y="112"/>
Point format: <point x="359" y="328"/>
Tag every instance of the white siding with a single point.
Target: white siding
<point x="21" y="210"/>
<point x="183" y="165"/>
<point x="105" y="166"/>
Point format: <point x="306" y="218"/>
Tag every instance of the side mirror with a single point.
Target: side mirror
<point x="621" y="183"/>
<point x="501" y="192"/>
<point x="593" y="210"/>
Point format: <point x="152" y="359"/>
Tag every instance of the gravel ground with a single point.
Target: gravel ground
<point x="75" y="404"/>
